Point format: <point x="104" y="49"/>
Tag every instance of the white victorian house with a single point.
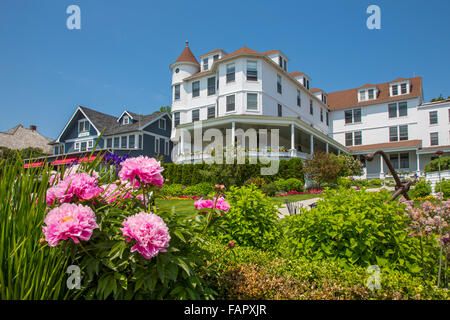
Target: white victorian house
<point x="246" y="90"/>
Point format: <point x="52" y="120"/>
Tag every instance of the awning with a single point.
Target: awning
<point x="64" y="161"/>
<point x="34" y="164"/>
<point x="88" y="159"/>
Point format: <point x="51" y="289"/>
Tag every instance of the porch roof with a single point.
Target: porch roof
<point x="389" y="146"/>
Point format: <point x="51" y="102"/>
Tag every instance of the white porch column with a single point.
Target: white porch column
<point x="418" y="163"/>
<point x="312" y="144"/>
<point x="181" y="142"/>
<point x="381" y="167"/>
<point x="233" y="135"/>
<point x="292" y="139"/>
<point x="339" y="152"/>
<point x="326" y="146"/>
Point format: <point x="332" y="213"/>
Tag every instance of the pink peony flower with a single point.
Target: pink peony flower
<point x="69" y="221"/>
<point x="149" y="231"/>
<point x="221" y="204"/>
<point x="142" y="169"/>
<point x="80" y="185"/>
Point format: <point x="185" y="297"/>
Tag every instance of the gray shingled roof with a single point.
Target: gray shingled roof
<point x="109" y="123"/>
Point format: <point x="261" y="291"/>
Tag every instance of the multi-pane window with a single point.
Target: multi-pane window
<point x="216" y="57"/>
<point x="311" y="109"/>
<point x="211" y="112"/>
<point x="116" y="143"/>
<point x="230" y="103"/>
<point x="162" y="124"/>
<point x="399" y="160"/>
<point x="280" y="110"/>
<point x="124" y="142"/>
<point x="433" y="117"/>
<point x="395" y="90"/>
<point x="403" y="132"/>
<point x="279" y="88"/>
<point x="321" y="114"/>
<point x="90" y="144"/>
<point x="299" y="98"/>
<point x="404" y="88"/>
<point x="166" y="147"/>
<point x="252" y="72"/>
<point x="195" y="88"/>
<point x="399" y="133"/>
<point x="404" y="160"/>
<point x="352" y="116"/>
<point x="211" y="86"/>
<point x="398" y="109"/>
<point x="195" y="115"/>
<point x="394" y="160"/>
<point x="157" y="145"/>
<point x="353" y="138"/>
<point x="109" y="143"/>
<point x="434" y="138"/>
<point x="83" y="146"/>
<point x="230" y="72"/>
<point x="132" y="141"/>
<point x="371" y="93"/>
<point x="362" y="95"/>
<point x="176" y="93"/>
<point x="176" y="118"/>
<point x="83" y="126"/>
<point x="126" y="120"/>
<point x="252" y="101"/>
<point x="205" y="64"/>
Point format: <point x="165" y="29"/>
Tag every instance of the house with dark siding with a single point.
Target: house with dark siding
<point x="129" y="133"/>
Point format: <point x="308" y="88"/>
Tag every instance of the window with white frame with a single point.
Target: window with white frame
<point x="162" y="124"/>
<point x="76" y="146"/>
<point x="353" y="138"/>
<point x="399" y="160"/>
<point x="83" y="146"/>
<point x="195" y="115"/>
<point x="399" y="89"/>
<point x="90" y="144"/>
<point x="124" y="142"/>
<point x="434" y="138"/>
<point x="176" y="92"/>
<point x="299" y="98"/>
<point x="366" y="94"/>
<point x="157" y="145"/>
<point x="230" y="72"/>
<point x="205" y="64"/>
<point x="311" y="109"/>
<point x="398" y="133"/>
<point x="352" y="116"/>
<point x="132" y="141"/>
<point x="195" y="88"/>
<point x="321" y="114"/>
<point x="211" y="112"/>
<point x="230" y="103"/>
<point x="211" y="86"/>
<point x="176" y="119"/>
<point x="166" y="147"/>
<point x="84" y="126"/>
<point x="252" y="101"/>
<point x="252" y="72"/>
<point x="126" y="120"/>
<point x="109" y="143"/>
<point x="279" y="87"/>
<point x="399" y="109"/>
<point x="433" y="117"/>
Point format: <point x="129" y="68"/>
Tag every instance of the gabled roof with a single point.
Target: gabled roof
<point x="244" y="50"/>
<point x="108" y="124"/>
<point x="187" y="56"/>
<point x="349" y="98"/>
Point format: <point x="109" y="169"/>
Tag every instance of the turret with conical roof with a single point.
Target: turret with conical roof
<point x="185" y="66"/>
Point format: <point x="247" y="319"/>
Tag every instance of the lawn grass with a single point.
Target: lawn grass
<point x="187" y="206"/>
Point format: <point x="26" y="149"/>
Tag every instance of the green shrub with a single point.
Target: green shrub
<point x="270" y="189"/>
<point x="291" y="184"/>
<point x="344" y="182"/>
<point x="355" y="228"/>
<point x="375" y="183"/>
<point x="257" y="181"/>
<point x="174" y="189"/>
<point x="248" y="273"/>
<point x="200" y="189"/>
<point x="434" y="165"/>
<point x="444" y="186"/>
<point x="421" y="189"/>
<point x="252" y="219"/>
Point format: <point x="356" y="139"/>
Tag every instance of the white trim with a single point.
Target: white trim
<point x="70" y="120"/>
<point x="118" y="119"/>
<point x="157" y="145"/>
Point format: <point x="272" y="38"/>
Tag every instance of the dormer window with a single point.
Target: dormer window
<point x="83" y="126"/>
<point x="205" y="64"/>
<point x="399" y="89"/>
<point x="215" y="57"/>
<point x="126" y="120"/>
<point x="324" y="99"/>
<point x="366" y="94"/>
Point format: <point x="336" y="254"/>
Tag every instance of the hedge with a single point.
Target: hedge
<point x="189" y="174"/>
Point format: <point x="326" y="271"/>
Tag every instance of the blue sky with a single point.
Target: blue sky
<point x="120" y="58"/>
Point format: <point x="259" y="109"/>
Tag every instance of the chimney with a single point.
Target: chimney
<point x="33" y="127"/>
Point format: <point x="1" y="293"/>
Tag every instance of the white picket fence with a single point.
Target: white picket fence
<point x="433" y="177"/>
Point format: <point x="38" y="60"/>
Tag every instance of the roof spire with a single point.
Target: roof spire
<point x="187" y="43"/>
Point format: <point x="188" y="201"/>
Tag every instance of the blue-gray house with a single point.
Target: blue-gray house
<point x="130" y="133"/>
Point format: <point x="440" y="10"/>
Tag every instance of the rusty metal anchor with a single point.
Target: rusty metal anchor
<point x="401" y="187"/>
